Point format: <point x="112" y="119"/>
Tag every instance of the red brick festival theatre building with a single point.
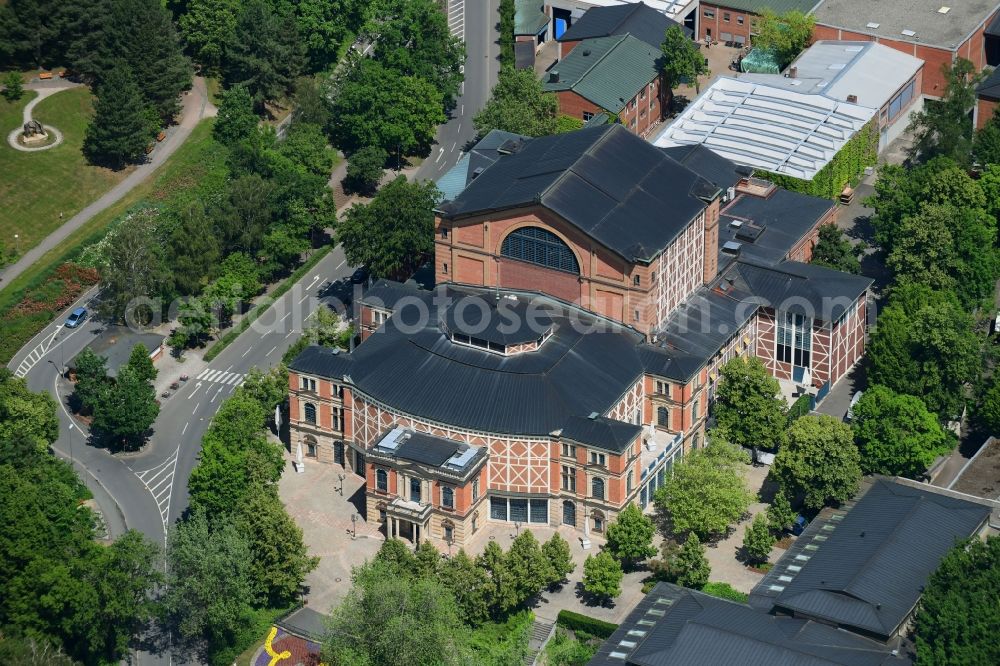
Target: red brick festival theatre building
<point x="590" y="285"/>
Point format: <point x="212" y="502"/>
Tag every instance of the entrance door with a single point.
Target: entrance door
<point x="405" y="528"/>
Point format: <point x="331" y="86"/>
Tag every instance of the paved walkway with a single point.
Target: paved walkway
<point x="47" y="90"/>
<point x="195" y="107"/>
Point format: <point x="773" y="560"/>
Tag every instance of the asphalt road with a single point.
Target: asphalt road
<point x="482" y="66"/>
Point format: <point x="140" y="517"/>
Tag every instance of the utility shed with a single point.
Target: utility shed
<point x="115" y="344"/>
<point x="863" y="567"/>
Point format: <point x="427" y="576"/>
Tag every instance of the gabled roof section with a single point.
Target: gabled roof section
<point x="607" y="182"/>
<point x="990" y="87"/>
<point x="471" y="164"/>
<point x="529" y="17"/>
<point x="637" y="19"/>
<point x="674" y="625"/>
<point x="600" y="432"/>
<point x="865" y="567"/>
<point x="708" y="164"/>
<point x="608" y="71"/>
<point x="791" y="286"/>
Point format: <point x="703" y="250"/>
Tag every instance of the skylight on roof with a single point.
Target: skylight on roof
<point x="909" y="33"/>
<point x="872" y="25"/>
<point x="855" y="49"/>
<point x="944" y="10"/>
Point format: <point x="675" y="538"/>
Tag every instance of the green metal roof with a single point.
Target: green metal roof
<point x="779" y="7"/>
<point x="529" y="18"/>
<point x="612" y="72"/>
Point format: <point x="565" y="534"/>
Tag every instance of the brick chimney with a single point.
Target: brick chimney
<point x="711" y="245"/>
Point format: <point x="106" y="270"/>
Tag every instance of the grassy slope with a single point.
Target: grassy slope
<point x="185" y="168"/>
<point x="36" y="187"/>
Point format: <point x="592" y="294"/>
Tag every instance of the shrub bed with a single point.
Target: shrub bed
<point x="591" y="625"/>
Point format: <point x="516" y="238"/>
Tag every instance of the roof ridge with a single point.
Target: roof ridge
<point x="619" y="38"/>
<point x="634" y="8"/>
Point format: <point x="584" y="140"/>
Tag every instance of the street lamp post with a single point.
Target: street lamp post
<point x="341" y="488"/>
<point x="354" y="526"/>
<point x="17" y="243"/>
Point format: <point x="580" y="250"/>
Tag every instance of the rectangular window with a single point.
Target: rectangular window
<point x="449" y="533"/>
<point x="636" y="313"/>
<point x="338" y="418"/>
<point x="475" y="490"/>
<point x="587" y="115"/>
<point x="568" y="450"/>
<point x="642" y="94"/>
<point x="518" y="510"/>
<point x="498" y="508"/>
<point x="694" y="411"/>
<point x="739" y="20"/>
<point x="380" y="317"/>
<point x="445" y="268"/>
<point x="725" y="16"/>
<point x="448" y="497"/>
<point x="794" y="339"/>
<point x="663" y="388"/>
<point x="598" y="459"/>
<point x="568" y="479"/>
<point x="709" y="13"/>
<point x="415" y="490"/>
<point x="636" y="281"/>
<point x="444" y="232"/>
<point x="628" y="482"/>
<point x="539" y="511"/>
<point x="308" y="384"/>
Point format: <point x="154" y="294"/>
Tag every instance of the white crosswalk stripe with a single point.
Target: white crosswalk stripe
<point x="456" y="18"/>
<point x="220" y="377"/>
<point x="159" y="481"/>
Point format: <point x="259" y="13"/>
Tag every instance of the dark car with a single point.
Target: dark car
<point x="360" y="276"/>
<point x="76" y="317"/>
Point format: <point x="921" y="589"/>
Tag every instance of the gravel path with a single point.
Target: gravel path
<point x="43" y="92"/>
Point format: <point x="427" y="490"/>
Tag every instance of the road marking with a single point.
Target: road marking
<point x="230" y="367"/>
<point x="185" y="427"/>
<point x="218" y="392"/>
<point x="459" y="127"/>
<point x="303" y="298"/>
<point x="289" y="334"/>
<point x="453" y="146"/>
<point x="440" y="155"/>
<point x="159" y="481"/>
<point x="272" y="350"/>
<point x="198" y="386"/>
<point x="195" y="409"/>
<point x="314" y="281"/>
<point x="219" y="376"/>
<point x="343" y="261"/>
<point x="247" y="352"/>
<point x="282" y="319"/>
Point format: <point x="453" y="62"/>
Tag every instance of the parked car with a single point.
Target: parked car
<point x="360" y="276"/>
<point x="76" y="317"/>
<point x="799" y="525"/>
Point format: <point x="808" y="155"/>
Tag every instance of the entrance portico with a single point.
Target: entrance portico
<point x="406" y="520"/>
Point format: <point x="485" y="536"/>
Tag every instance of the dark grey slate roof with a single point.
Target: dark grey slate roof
<point x="115" y="343"/>
<point x="637" y="19"/>
<point x="990" y="87"/>
<point x="603" y="433"/>
<point x="708" y="164"/>
<point x="386" y="293"/>
<point x="819" y="292"/>
<point x="784" y="218"/>
<point x="524" y="55"/>
<point x="504" y="321"/>
<point x="703" y="323"/>
<point x="678" y="626"/>
<point x="609" y="183"/>
<point x="870" y="569"/>
<point x="580" y="369"/>
<point x="304" y="623"/>
<point x="427" y="449"/>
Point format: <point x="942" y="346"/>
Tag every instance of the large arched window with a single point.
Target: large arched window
<point x="381" y="480"/>
<point x="447" y="497"/>
<point x="310" y="411"/>
<point x="541" y="247"/>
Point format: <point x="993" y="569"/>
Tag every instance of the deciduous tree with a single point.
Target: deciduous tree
<point x="127" y="409"/>
<point x="236" y="121"/>
<point x="527" y="567"/>
<point x="469" y="584"/>
<point x="819" y="460"/>
<point x="392" y="234"/>
<point x="706" y="492"/>
<point x="13" y="87"/>
<point x="602" y="575"/>
<point x="682" y="59"/>
<point x="749" y="410"/>
<point x="365" y="169"/>
<point x="944" y="127"/>
<point x="141" y="364"/>
<point x="132" y="269"/>
<point x="556" y="551"/>
<point x="630" y="536"/>
<point x="26" y="416"/>
<point x="758" y="540"/>
<point x="518" y="104"/>
<point x="835" y="250"/>
<point x="958" y="610"/>
<point x="264" y="53"/>
<point x="786" y="35"/>
<point x="780" y="514"/>
<point x="895" y="433"/>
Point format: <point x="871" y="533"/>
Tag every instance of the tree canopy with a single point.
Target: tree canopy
<point x="602" y="575"/>
<point x="943" y="127"/>
<point x="392" y="234"/>
<point x="630" y="536"/>
<point x="264" y="52"/>
<point x="957" y="613"/>
<point x="518" y="104"/>
<point x="749" y="410"/>
<point x="895" y="433"/>
<point x="819" y="461"/>
<point x="682" y="59"/>
<point x="834" y="250"/>
<point x="786" y="35"/>
<point x="706" y="492"/>
<point x="121" y="128"/>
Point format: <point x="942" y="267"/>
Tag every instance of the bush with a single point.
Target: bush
<point x="758" y="540"/>
<point x="725" y="591"/>
<point x="565" y="650"/>
<point x="579" y="622"/>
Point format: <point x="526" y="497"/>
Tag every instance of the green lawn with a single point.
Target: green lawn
<point x="36" y="187"/>
<point x="197" y="160"/>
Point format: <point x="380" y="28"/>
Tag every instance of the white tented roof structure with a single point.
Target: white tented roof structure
<point x="767" y="127"/>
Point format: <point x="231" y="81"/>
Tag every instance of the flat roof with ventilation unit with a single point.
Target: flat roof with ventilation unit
<point x="934" y="24"/>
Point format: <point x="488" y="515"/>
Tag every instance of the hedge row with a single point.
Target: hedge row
<point x="725" y="591"/>
<point x="578" y="622"/>
<point x="249" y="318"/>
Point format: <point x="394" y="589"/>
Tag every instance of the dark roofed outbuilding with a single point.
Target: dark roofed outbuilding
<point x="637" y="19"/>
<point x="115" y="344"/>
